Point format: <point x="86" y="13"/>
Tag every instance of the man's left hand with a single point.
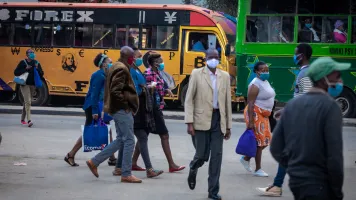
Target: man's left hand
<point x="227" y="134"/>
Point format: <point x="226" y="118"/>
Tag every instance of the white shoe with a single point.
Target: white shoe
<point x="246" y="164"/>
<point x="260" y="173"/>
<point x="271" y="191"/>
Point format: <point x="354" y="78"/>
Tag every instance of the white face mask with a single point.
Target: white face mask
<point x="212" y="63"/>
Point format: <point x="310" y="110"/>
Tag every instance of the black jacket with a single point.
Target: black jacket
<point x="21" y="68"/>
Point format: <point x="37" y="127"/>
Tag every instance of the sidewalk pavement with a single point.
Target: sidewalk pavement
<point x="178" y="115"/>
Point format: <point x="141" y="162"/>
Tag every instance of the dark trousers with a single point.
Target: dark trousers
<point x="311" y="192"/>
<point x="209" y="143"/>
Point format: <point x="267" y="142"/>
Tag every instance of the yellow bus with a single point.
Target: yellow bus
<point x="67" y="36"/>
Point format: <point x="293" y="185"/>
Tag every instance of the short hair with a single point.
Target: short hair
<point x="152" y="57"/>
<point x="306" y="50"/>
<point x="257" y="66"/>
<point x="135" y="48"/>
<point x="98" y="58"/>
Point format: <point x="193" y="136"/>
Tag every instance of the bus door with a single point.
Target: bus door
<point x="196" y="43"/>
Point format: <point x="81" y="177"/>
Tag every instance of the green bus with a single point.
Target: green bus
<point x="269" y="31"/>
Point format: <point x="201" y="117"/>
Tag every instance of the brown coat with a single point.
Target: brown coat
<point x="120" y="92"/>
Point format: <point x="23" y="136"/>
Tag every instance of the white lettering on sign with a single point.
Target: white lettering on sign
<point x="170" y="18"/>
<point x="51" y="15"/>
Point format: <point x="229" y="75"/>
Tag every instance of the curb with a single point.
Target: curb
<point x="81" y="114"/>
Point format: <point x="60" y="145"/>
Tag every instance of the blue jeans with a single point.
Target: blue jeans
<point x="279" y="179"/>
<point x="125" y="138"/>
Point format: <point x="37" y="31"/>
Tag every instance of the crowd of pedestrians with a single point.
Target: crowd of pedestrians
<point x="306" y="141"/>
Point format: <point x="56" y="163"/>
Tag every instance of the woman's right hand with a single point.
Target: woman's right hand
<point x="251" y="126"/>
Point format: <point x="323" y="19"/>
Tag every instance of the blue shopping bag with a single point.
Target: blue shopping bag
<point x="38" y="80"/>
<point x="107" y="117"/>
<point x="247" y="144"/>
<point x="95" y="137"/>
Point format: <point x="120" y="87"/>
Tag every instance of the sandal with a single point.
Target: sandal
<point x="67" y="161"/>
<point x="137" y="168"/>
<point x="151" y="173"/>
<point x="112" y="162"/>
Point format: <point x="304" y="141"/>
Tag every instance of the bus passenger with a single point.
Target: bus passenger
<point x="200" y="45"/>
<point x="277" y="34"/>
<point x="340" y="35"/>
<point x="260" y="99"/>
<point x="156" y="83"/>
<point x="27" y="65"/>
<point x="91" y="103"/>
<point x="261" y="34"/>
<point x="308" y="33"/>
<point x="142" y="122"/>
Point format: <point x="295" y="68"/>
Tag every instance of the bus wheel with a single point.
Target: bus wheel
<point x="347" y="103"/>
<point x="183" y="94"/>
<point x="39" y="95"/>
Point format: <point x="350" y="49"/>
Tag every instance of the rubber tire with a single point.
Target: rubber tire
<point x="183" y="94"/>
<point x="42" y="95"/>
<point x="350" y="99"/>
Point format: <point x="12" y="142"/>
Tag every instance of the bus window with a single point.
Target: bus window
<point x="22" y="35"/>
<point x="6" y="34"/>
<point x="281" y="29"/>
<point x="323" y="7"/>
<point x="83" y="35"/>
<point x="273" y="7"/>
<point x="126" y="36"/>
<point x="334" y="30"/>
<point x="160" y="37"/>
<point x="310" y="29"/>
<point x="200" y="42"/>
<point x="62" y="35"/>
<point x="43" y="35"/>
<point x="353" y="30"/>
<point x="103" y="36"/>
<point x="257" y="29"/>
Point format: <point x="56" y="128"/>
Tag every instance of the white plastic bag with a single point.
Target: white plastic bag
<point x="21" y="80"/>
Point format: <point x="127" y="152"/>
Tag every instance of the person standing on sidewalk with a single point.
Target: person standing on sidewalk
<point x="303" y="53"/>
<point x="208" y="116"/>
<point x="309" y="143"/>
<point x="141" y="126"/>
<point x="121" y="102"/>
<point x="28" y="65"/>
<point x="91" y="103"/>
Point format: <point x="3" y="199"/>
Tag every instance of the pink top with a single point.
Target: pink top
<point x="339" y="36"/>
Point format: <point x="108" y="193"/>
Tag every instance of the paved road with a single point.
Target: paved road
<point x="47" y="176"/>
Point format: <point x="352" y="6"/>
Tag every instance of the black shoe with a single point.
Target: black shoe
<point x="214" y="196"/>
<point x="192" y="178"/>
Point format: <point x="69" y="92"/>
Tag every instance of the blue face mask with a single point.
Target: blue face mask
<point x="32" y="56"/>
<point x="161" y="67"/>
<point x="336" y="89"/>
<point x="308" y="25"/>
<point x="109" y="65"/>
<point x="295" y="59"/>
<point x="264" y="76"/>
<point x="138" y="62"/>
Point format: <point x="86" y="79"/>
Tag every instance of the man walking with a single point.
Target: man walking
<point x="302" y="56"/>
<point x="312" y="148"/>
<point x="208" y="116"/>
<point x="121" y="102"/>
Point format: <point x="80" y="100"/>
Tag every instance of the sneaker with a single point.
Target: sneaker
<point x="271" y="191"/>
<point x="23" y="122"/>
<point x="117" y="172"/>
<point x="260" y="173"/>
<point x="130" y="179"/>
<point x="30" y="123"/>
<point x="246" y="164"/>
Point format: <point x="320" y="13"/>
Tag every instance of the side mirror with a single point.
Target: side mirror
<point x="227" y="50"/>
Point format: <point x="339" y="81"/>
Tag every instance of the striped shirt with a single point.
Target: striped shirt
<point x="303" y="83"/>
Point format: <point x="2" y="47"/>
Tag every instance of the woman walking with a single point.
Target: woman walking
<point x="260" y="99"/>
<point x="91" y="104"/>
<point x="141" y="122"/>
<point x="156" y="84"/>
<point x="28" y="65"/>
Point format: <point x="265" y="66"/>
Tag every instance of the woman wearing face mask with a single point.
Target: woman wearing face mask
<point x="156" y="83"/>
<point x="91" y="104"/>
<point x="260" y="100"/>
<point x="340" y="35"/>
<point x="28" y="65"/>
<point x="278" y="35"/>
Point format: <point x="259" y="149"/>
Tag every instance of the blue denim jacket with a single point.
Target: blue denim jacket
<point x="95" y="92"/>
<point x="138" y="79"/>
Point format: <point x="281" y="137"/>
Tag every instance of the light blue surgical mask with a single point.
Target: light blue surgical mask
<point x="138" y="62"/>
<point x="161" y="67"/>
<point x="335" y="89"/>
<point x="32" y="56"/>
<point x="308" y="25"/>
<point x="264" y="76"/>
<point x="109" y="65"/>
<point x="296" y="60"/>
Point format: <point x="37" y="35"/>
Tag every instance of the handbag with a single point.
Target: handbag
<point x="95" y="137"/>
<point x="21" y="80"/>
<point x="247" y="144"/>
<point x="37" y="77"/>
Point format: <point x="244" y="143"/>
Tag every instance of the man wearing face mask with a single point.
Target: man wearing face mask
<point x="121" y="102"/>
<point x="316" y="170"/>
<point x="208" y="116"/>
<point x="28" y="65"/>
